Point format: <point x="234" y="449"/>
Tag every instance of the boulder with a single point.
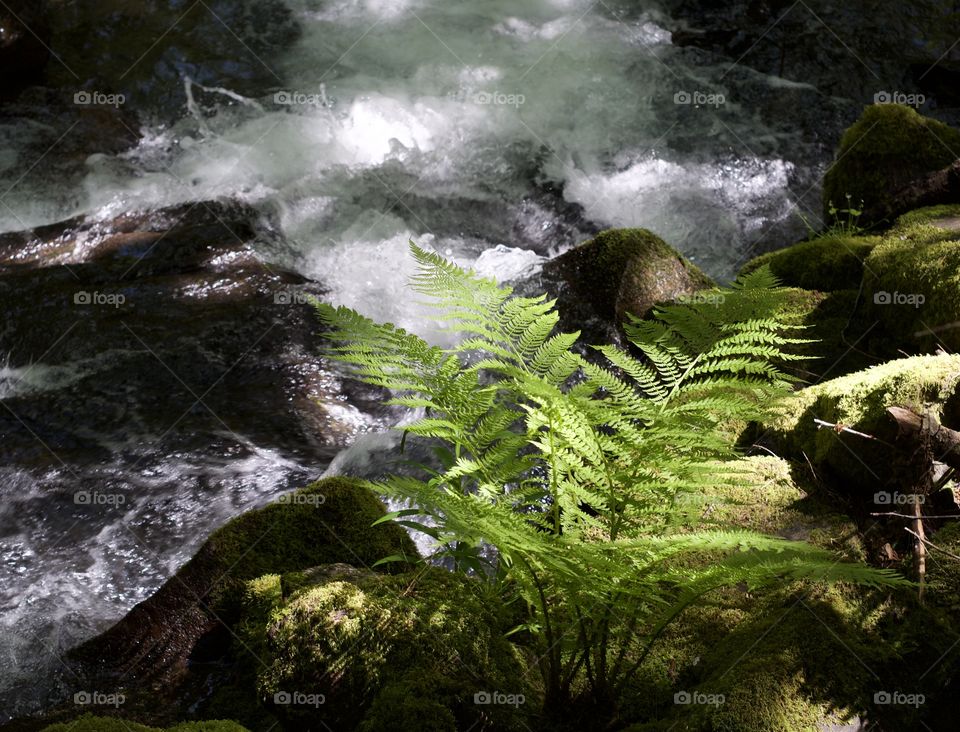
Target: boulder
<point x="825" y="264"/>
<point x="890" y="146"/>
<point x="855" y="466"/>
<point x="167" y="650"/>
<point x="89" y="723"/>
<point x="912" y="281"/>
<point x="617" y="272"/>
<point x="350" y="649"/>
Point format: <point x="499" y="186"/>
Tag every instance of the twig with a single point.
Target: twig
<point x="932" y="546"/>
<point x="843" y="428"/>
<point x="911" y="516"/>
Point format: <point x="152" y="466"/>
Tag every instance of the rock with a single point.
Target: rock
<point x="890" y="146"/>
<point x="398" y="652"/>
<point x="913" y="280"/>
<point x="617" y="272"/>
<point x="166" y="647"/>
<point x="824" y="264"/>
<point x="860" y="468"/>
<point x="25" y="37"/>
<point x="114" y="724"/>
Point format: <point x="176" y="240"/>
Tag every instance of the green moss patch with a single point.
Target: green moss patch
<point x="887" y="148"/>
<point x="825" y="264"/>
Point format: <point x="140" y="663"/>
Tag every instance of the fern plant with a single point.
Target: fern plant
<point x="580" y="472"/>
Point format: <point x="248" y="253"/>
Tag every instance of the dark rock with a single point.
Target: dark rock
<point x="167" y="652"/>
<point x="25" y="37"/>
<point x="620" y="271"/>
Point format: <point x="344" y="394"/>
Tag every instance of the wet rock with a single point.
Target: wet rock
<point x="620" y="271"/>
<point x="25" y="36"/>
<point x="158" y="377"/>
<point x="171" y="652"/>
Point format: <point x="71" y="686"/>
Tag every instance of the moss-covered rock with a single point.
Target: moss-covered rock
<point x="165" y="650"/>
<point x="774" y="496"/>
<point x="622" y="271"/>
<point x="89" y="723"/>
<point x="856" y="465"/>
<point x="888" y="147"/>
<point x="912" y="281"/>
<point x="339" y="645"/>
<point x="825" y="264"/>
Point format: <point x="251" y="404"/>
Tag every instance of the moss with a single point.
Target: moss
<point x="888" y="147"/>
<point x="859" y="400"/>
<point x="943" y="571"/>
<point x="913" y="279"/>
<point x="348" y="639"/>
<point x="411" y="704"/>
<point x="90" y="723"/>
<point x="763" y="494"/>
<point x="629" y="270"/>
<point x="328" y="521"/>
<point x="825" y="264"/>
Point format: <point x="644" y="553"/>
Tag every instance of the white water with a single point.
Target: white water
<point x="441" y="122"/>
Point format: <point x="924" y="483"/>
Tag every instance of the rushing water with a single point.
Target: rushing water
<point x="499" y="132"/>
